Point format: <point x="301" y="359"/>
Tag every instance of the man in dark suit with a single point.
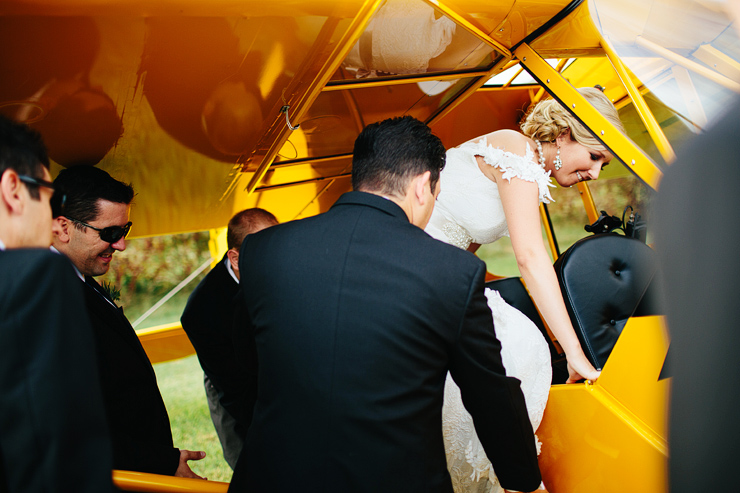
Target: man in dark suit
<point x="88" y="227"/>
<point x="208" y="320"/>
<point x="53" y="434"/>
<point x="357" y="316"/>
<point x="697" y="237"/>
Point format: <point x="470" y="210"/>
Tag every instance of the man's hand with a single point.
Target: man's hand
<point x="183" y="469"/>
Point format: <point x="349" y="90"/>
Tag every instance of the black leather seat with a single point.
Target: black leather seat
<point x="604" y="279"/>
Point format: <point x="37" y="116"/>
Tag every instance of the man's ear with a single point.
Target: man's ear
<point x="233" y="255"/>
<point x="420" y="184"/>
<point x="60" y="228"/>
<point x="10" y="190"/>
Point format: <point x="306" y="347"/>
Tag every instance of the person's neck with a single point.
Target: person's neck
<point x="401" y="202"/>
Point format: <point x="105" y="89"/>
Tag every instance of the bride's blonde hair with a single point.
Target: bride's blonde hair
<point x="548" y="119"/>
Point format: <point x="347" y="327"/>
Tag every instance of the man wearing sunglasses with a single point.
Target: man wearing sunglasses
<point x="53" y="435"/>
<point x="91" y="221"/>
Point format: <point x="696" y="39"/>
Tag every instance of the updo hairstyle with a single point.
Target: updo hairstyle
<point x="548" y="119"/>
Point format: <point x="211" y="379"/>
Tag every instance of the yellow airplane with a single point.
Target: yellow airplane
<point x="213" y="106"/>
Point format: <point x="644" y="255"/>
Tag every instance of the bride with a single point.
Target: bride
<point x="491" y="187"/>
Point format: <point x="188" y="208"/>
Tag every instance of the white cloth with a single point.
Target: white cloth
<point x="401" y="38"/>
<point x="469" y="210"/>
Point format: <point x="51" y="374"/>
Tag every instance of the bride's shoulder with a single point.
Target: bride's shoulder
<point x="506" y="145"/>
<point x="509" y="141"/>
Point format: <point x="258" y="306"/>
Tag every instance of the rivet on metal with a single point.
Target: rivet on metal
<point x="633" y="162"/>
<point x="602" y="132"/>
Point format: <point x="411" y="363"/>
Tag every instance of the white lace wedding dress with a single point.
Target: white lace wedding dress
<point x="469" y="210"/>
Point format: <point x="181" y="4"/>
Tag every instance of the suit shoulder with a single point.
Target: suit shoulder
<point x="452" y="252"/>
<point x="35" y="261"/>
<point x="213" y="293"/>
<point x="450" y="262"/>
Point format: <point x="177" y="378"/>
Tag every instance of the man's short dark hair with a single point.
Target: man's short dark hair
<point x="83" y="186"/>
<point x="23" y="151"/>
<point x="388" y="154"/>
<point x="247" y="222"/>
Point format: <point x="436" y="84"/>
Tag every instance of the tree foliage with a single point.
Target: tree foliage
<point x="153" y="266"/>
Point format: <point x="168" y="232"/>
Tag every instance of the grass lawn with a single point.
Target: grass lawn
<point x="181" y="384"/>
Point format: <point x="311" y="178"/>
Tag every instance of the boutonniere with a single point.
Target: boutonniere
<point x="113" y="292"/>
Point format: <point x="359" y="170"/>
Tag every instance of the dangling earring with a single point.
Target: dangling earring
<point x="558" y="162"/>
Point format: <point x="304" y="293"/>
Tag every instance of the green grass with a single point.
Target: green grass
<point x="181" y="384"/>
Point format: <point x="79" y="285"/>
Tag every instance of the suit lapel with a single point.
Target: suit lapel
<point x="99" y="302"/>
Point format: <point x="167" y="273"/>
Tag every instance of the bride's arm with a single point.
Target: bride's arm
<point x="520" y="200"/>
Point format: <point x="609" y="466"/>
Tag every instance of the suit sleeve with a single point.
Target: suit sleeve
<point x="52" y="425"/>
<point x="215" y="349"/>
<point x="494" y="400"/>
<point x="243" y="398"/>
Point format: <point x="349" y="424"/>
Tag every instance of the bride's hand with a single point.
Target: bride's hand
<point x="580" y="369"/>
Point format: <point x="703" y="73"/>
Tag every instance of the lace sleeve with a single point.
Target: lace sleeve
<point x="515" y="166"/>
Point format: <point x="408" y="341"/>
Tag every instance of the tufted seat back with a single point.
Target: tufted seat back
<point x="603" y="279"/>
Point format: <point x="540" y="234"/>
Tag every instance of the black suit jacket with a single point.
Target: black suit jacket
<point x="53" y="434"/>
<point x="357" y="316"/>
<point x="697" y="238"/>
<point x="138" y="420"/>
<point x="208" y="321"/>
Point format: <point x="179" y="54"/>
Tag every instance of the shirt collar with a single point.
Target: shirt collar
<point x="79" y="274"/>
<point x="230" y="269"/>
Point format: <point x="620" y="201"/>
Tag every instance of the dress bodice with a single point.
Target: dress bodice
<point x="469" y="208"/>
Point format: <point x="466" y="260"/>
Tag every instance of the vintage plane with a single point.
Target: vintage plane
<point x="209" y="107"/>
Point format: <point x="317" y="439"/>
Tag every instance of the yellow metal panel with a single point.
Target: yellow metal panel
<point x="620" y="145"/>
<point x="574" y="36"/>
<point x="588" y="201"/>
<point x="634" y="370"/>
<point x="165" y="342"/>
<point x="217" y="244"/>
<point x="157" y="483"/>
<point x="611" y="436"/>
<point x="461" y="20"/>
<point x="306" y="85"/>
<point x="653" y="128"/>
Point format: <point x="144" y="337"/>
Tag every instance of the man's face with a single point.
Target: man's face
<point x="38" y="216"/>
<point x="90" y="254"/>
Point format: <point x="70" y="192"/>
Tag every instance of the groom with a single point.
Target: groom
<point x="357" y="316"/>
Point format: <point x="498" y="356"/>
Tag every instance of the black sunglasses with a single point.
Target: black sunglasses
<point x="36" y="181"/>
<point x="57" y="200"/>
<point x="111" y="234"/>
